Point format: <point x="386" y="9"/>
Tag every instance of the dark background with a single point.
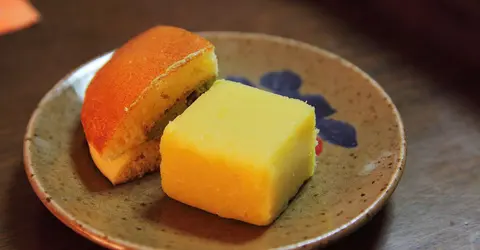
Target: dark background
<point x="425" y="53"/>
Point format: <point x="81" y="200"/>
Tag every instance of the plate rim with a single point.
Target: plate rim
<point x="324" y="239"/>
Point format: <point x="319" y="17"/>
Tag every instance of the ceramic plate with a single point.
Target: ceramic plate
<point x="360" y="159"/>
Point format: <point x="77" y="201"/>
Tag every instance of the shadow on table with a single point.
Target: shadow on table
<point x="30" y="226"/>
<point x="440" y="37"/>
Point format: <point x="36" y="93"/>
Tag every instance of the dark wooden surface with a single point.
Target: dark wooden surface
<point x="424" y="53"/>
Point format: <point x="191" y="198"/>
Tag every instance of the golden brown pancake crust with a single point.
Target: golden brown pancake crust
<point x="132" y="68"/>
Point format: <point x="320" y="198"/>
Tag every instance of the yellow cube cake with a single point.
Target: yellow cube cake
<point x="239" y="152"/>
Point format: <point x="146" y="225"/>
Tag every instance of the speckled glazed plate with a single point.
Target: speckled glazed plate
<point x="360" y="164"/>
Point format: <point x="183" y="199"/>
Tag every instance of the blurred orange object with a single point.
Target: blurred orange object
<point x="16" y="15"/>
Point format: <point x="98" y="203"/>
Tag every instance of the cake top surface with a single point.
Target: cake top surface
<point x="241" y="120"/>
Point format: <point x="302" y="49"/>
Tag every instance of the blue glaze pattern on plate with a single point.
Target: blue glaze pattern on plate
<point x="287" y="83"/>
<point x="240" y="80"/>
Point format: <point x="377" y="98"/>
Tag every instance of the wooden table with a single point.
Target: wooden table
<point x="425" y="57"/>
